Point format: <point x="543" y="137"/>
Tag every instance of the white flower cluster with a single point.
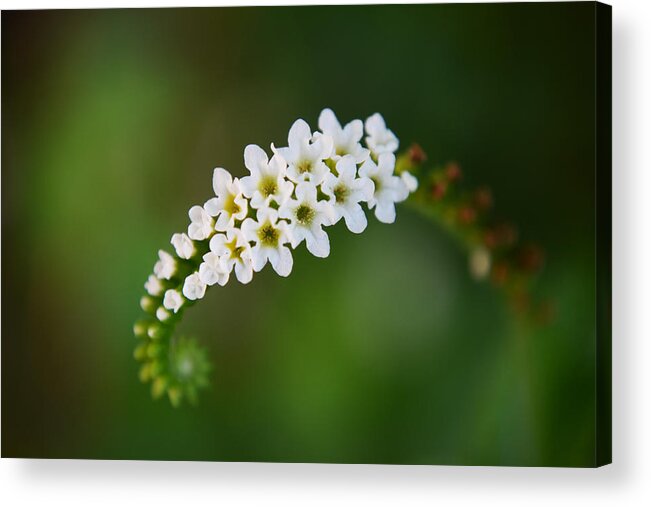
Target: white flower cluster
<point x="315" y="181"/>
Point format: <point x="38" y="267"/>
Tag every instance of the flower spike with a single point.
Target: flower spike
<point x="310" y="184"/>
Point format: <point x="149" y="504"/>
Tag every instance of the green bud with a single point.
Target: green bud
<point x="149" y="304"/>
<point x="154" y="350"/>
<point x="145" y="373"/>
<point x="140" y="328"/>
<point x="140" y="352"/>
<point x="159" y="386"/>
<point x="156" y="331"/>
<point x="175" y="395"/>
<point x="155" y="369"/>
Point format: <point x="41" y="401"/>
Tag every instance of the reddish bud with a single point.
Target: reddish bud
<point x="416" y="154"/>
<point x="438" y="190"/>
<point x="483" y="199"/>
<point x="490" y="239"/>
<point x="530" y="258"/>
<point x="505" y="234"/>
<point x="466" y="215"/>
<point x="500" y="273"/>
<point x="453" y="171"/>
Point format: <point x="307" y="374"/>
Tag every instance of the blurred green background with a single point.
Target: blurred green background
<point x="385" y="352"/>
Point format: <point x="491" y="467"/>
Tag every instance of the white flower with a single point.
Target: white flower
<point x="270" y="237"/>
<point x="306" y="217"/>
<point x="409" y="180"/>
<point x="154" y="286"/>
<point x="306" y="154"/>
<point x="229" y="205"/>
<point x="388" y="189"/>
<point x="194" y="288"/>
<point x="267" y="180"/>
<point x="183" y="245"/>
<point x="165" y="267"/>
<point x="346" y="140"/>
<point x="173" y="300"/>
<point x="162" y="314"/>
<point x="213" y="268"/>
<point x="235" y="252"/>
<point x="202" y="225"/>
<point x="380" y="139"/>
<point x="346" y="192"/>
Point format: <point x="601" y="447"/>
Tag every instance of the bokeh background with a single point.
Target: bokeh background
<point x="385" y="352"/>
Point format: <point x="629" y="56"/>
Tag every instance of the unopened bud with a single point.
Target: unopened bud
<point x="155" y="368"/>
<point x="530" y="258"/>
<point x="489" y="238"/>
<point x="466" y="215"/>
<point x="148" y="304"/>
<point x="416" y="154"/>
<point x="174" y="394"/>
<point x="156" y="331"/>
<point x="500" y="273"/>
<point x="483" y="199"/>
<point x="145" y="373"/>
<point x="140" y="352"/>
<point x="154" y="350"/>
<point x="453" y="171"/>
<point x="438" y="190"/>
<point x="158" y="387"/>
<point x="140" y="328"/>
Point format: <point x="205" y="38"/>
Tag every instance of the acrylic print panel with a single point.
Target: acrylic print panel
<point x="385" y="234"/>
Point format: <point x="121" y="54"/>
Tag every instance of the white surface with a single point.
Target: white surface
<point x="626" y="482"/>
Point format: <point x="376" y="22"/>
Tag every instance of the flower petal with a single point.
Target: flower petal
<point x="258" y="258"/>
<point x="255" y="158"/>
<point x="409" y="180"/>
<point x="385" y="211"/>
<point x="355" y="219"/>
<point x="328" y="122"/>
<point x="299" y="134"/>
<point x="221" y="180"/>
<point x="375" y="124"/>
<point x="283" y="262"/>
<point x="250" y="230"/>
<point x="244" y="272"/>
<point x="317" y="242"/>
<point x="212" y="206"/>
<point x="305" y="191"/>
<point x="346" y="167"/>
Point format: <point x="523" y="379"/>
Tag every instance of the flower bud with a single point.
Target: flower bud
<point x="148" y="304"/>
<point x="175" y="395"/>
<point x="530" y="258"/>
<point x="438" y="190"/>
<point x="154" y="350"/>
<point x="466" y="215"/>
<point x="156" y="331"/>
<point x="453" y="172"/>
<point x="500" y="273"/>
<point x="155" y="369"/>
<point x="162" y="314"/>
<point x="140" y="352"/>
<point x="140" y="328"/>
<point x="483" y="199"/>
<point x="145" y="373"/>
<point x="416" y="154"/>
<point x="158" y="386"/>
